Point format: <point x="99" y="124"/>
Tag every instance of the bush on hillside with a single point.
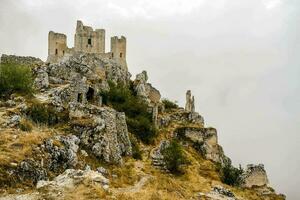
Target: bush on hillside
<point x="174" y="157"/>
<point x="45" y="114"/>
<point x="231" y="175"/>
<point x="15" y="78"/>
<point x="138" y="119"/>
<point x="169" y="104"/>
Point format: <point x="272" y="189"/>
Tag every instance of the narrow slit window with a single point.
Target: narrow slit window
<point x="56" y="51"/>
<point x="90" y="41"/>
<point x="121" y="55"/>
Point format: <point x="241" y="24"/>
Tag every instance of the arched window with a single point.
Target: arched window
<point x="121" y="55"/>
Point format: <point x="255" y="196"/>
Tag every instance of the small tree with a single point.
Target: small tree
<point x="231" y="175"/>
<point x="15" y="78"/>
<point x="174" y="157"/>
<point x="169" y="104"/>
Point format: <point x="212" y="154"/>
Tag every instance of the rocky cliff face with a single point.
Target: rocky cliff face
<point x="72" y="155"/>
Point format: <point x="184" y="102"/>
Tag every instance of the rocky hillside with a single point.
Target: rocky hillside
<point x="83" y="129"/>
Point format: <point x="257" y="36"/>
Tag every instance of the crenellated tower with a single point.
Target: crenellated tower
<point x="89" y="41"/>
<point x="57" y="46"/>
<point x="118" y="48"/>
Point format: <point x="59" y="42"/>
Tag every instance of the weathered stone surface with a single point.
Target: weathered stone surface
<point x="106" y="134"/>
<point x="180" y="116"/>
<point x="62" y="156"/>
<point x="255" y="175"/>
<point x="21" y="60"/>
<point x="72" y="177"/>
<point x="218" y="193"/>
<point x="205" y="140"/>
<point x="190" y="102"/>
<point x="31" y="170"/>
<point x="145" y="90"/>
<point x="42" y="80"/>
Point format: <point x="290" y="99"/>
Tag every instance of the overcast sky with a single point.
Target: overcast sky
<point x="240" y="58"/>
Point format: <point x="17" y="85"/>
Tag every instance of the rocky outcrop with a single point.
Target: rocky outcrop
<point x="145" y="90"/>
<point x="21" y="60"/>
<point x="255" y="175"/>
<point x="64" y="154"/>
<point x="30" y="170"/>
<point x="70" y="177"/>
<point x="205" y="140"/>
<point x="104" y="133"/>
<point x="180" y="116"/>
<point x="42" y="80"/>
<point x="218" y="193"/>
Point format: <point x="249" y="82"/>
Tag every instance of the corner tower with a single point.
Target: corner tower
<point x="89" y="41"/>
<point x="57" y="46"/>
<point x="118" y="49"/>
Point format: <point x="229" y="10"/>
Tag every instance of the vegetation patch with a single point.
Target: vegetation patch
<point x="15" y="78"/>
<point x="138" y="119"/>
<point x="230" y="175"/>
<point x="46" y="114"/>
<point x="174" y="157"/>
<point x="169" y="104"/>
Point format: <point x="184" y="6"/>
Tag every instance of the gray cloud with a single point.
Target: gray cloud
<point x="238" y="57"/>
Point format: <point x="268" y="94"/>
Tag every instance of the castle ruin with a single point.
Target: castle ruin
<point x="86" y="40"/>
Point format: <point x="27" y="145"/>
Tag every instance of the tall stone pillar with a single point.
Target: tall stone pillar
<point x="188" y="107"/>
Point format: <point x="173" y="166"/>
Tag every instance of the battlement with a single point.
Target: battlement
<point x="86" y="40"/>
<point x="118" y="48"/>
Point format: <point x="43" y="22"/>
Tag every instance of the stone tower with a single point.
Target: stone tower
<point x="118" y="49"/>
<point x="57" y="46"/>
<point x="89" y="41"/>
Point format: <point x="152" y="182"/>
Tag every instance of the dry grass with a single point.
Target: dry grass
<point x="126" y="175"/>
<point x="17" y="145"/>
<point x="86" y="190"/>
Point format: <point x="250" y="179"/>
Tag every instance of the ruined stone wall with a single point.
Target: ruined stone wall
<point x="255" y="175"/>
<point x="89" y="41"/>
<point x="57" y="46"/>
<point x="21" y="60"/>
<point x="118" y="48"/>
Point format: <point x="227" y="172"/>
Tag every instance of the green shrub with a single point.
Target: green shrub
<point x="169" y="104"/>
<point x="15" y="78"/>
<point x="136" y="152"/>
<point x="25" y="125"/>
<point x="45" y="114"/>
<point x="138" y="119"/>
<point x="230" y="175"/>
<point x="174" y="157"/>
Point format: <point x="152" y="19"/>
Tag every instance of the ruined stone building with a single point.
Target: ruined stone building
<point x="86" y="40"/>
